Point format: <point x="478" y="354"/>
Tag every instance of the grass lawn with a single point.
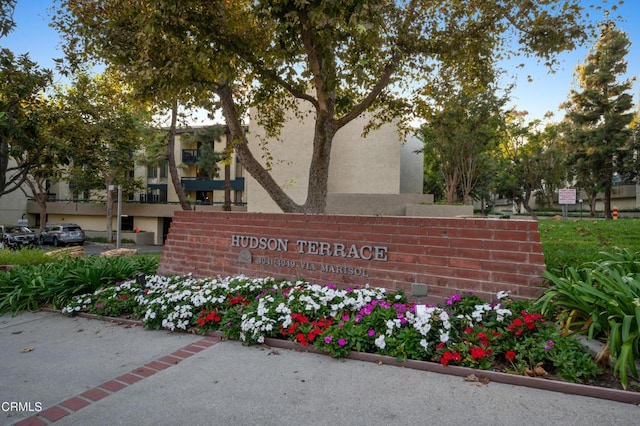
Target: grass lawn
<point x="573" y="242"/>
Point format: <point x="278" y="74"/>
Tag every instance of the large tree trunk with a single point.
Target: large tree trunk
<point x="171" y="159"/>
<point x="468" y="178"/>
<point x="249" y="162"/>
<point x="325" y="131"/>
<point x="451" y="186"/>
<point x="38" y="189"/>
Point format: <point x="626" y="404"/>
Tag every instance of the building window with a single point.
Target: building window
<point x="164" y="169"/>
<point x="126" y="223"/>
<point x="152" y="172"/>
<point x="239" y="168"/>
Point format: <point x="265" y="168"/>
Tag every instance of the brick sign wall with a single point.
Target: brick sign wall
<point x="429" y="258"/>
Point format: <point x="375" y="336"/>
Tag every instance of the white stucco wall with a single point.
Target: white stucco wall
<point x="359" y="165"/>
<point x="411" y="166"/>
<point x="12" y="207"/>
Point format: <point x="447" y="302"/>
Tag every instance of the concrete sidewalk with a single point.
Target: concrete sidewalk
<point x="77" y="371"/>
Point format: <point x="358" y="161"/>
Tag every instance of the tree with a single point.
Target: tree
<point x="53" y="158"/>
<point x="600" y="113"/>
<point x="341" y="58"/>
<point x="461" y="127"/>
<point x="6" y="16"/>
<point x="22" y="83"/>
<point x="532" y="163"/>
<point x="104" y="128"/>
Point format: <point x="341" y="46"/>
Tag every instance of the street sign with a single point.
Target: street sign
<point x="567" y="196"/>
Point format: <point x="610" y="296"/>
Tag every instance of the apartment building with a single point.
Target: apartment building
<point x="146" y="214"/>
<point x="380" y="174"/>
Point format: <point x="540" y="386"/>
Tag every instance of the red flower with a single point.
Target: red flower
<point x="478" y="353"/>
<point x="449" y="356"/>
<point x="205" y="317"/>
<point x="301" y="338"/>
<point x="237" y="299"/>
<point x="515" y="323"/>
<point x="510" y="355"/>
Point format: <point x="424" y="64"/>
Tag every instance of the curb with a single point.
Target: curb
<point x="627" y="397"/>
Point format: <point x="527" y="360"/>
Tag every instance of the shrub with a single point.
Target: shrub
<point x="603" y="299"/>
<point x="34" y="286"/>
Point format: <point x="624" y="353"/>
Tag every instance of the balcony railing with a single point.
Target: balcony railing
<point x="190" y="156"/>
<point x="208" y="184"/>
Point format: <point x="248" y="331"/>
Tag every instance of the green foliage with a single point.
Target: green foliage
<point x="339" y="59"/>
<point x="603" y="298"/>
<point x="31" y="287"/>
<point x="26" y="256"/>
<point x="21" y="104"/>
<point x="600" y="113"/>
<point x="7" y="24"/>
<point x="461" y="131"/>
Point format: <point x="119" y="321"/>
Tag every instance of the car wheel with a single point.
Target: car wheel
<point x="55" y="242"/>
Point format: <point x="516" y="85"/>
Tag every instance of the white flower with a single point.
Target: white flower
<point x="380" y="342"/>
<point x="502" y="294"/>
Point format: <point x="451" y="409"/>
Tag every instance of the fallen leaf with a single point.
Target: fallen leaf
<point x="25" y="350"/>
<point x="482" y="380"/>
<point x="16" y="332"/>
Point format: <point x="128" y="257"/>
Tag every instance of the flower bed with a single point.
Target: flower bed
<point x="499" y="335"/>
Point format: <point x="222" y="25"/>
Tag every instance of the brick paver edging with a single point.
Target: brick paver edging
<point x="78" y="402"/>
<point x="88" y="397"/>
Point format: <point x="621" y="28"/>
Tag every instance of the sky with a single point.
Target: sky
<point x="544" y="93"/>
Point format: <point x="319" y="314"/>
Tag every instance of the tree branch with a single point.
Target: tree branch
<point x="249" y="162"/>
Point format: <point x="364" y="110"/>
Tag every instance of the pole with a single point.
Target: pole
<point x="227" y="174"/>
<point x="580" y="201"/>
<point x="119" y="219"/>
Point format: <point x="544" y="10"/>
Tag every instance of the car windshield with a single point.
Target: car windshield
<point x="72" y="228"/>
<point x="18" y="230"/>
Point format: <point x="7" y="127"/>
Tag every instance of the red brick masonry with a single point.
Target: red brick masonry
<point x="439" y="256"/>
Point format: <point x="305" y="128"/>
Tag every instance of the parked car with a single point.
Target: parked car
<point x="17" y="237"/>
<point x="62" y="234"/>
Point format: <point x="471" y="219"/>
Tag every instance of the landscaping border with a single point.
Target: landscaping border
<point x="617" y="395"/>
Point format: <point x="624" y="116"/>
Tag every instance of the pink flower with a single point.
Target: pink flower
<point x="342" y="342"/>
